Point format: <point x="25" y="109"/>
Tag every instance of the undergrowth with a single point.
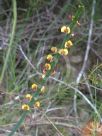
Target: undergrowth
<point x="28" y="31"/>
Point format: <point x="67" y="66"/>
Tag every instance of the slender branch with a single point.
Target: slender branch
<point x="86" y="56"/>
<point x="88" y="43"/>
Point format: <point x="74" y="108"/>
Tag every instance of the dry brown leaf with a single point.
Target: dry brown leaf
<point x="92" y="128"/>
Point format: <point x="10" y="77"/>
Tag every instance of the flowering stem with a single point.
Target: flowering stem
<point x="57" y="56"/>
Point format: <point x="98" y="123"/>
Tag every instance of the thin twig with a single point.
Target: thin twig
<point x="85" y="58"/>
<point x="88" y="44"/>
<point x="57" y="123"/>
<point x="26" y="58"/>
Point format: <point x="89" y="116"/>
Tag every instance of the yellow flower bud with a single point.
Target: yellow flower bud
<point x="37" y="104"/>
<point x="28" y="96"/>
<point x="68" y="44"/>
<point x="65" y="29"/>
<point x="50" y="57"/>
<point x="43" y="89"/>
<point x="54" y="49"/>
<point x="63" y="52"/>
<point x="47" y="66"/>
<point x="25" y="107"/>
<point x="34" y="86"/>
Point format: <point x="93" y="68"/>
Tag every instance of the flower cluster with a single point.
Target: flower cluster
<point x="29" y="97"/>
<point x="49" y="60"/>
<point x="48" y="68"/>
<point x="68" y="43"/>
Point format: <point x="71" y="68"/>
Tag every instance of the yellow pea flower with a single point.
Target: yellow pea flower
<point x="65" y="29"/>
<point x="63" y="52"/>
<point x="68" y="44"/>
<point x="25" y="107"/>
<point x="34" y="86"/>
<point x="47" y="66"/>
<point x="37" y="104"/>
<point x="54" y="49"/>
<point x="50" y="58"/>
<point x="28" y="96"/>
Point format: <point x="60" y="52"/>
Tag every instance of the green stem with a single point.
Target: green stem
<point x="18" y="124"/>
<point x="11" y="40"/>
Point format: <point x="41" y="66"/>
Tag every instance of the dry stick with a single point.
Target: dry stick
<point x="4" y="131"/>
<point x="85" y="60"/>
<point x="88" y="44"/>
<point x="88" y="87"/>
<point x="29" y="62"/>
<point x="26" y="58"/>
<point x="54" y="125"/>
<point x="57" y="123"/>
